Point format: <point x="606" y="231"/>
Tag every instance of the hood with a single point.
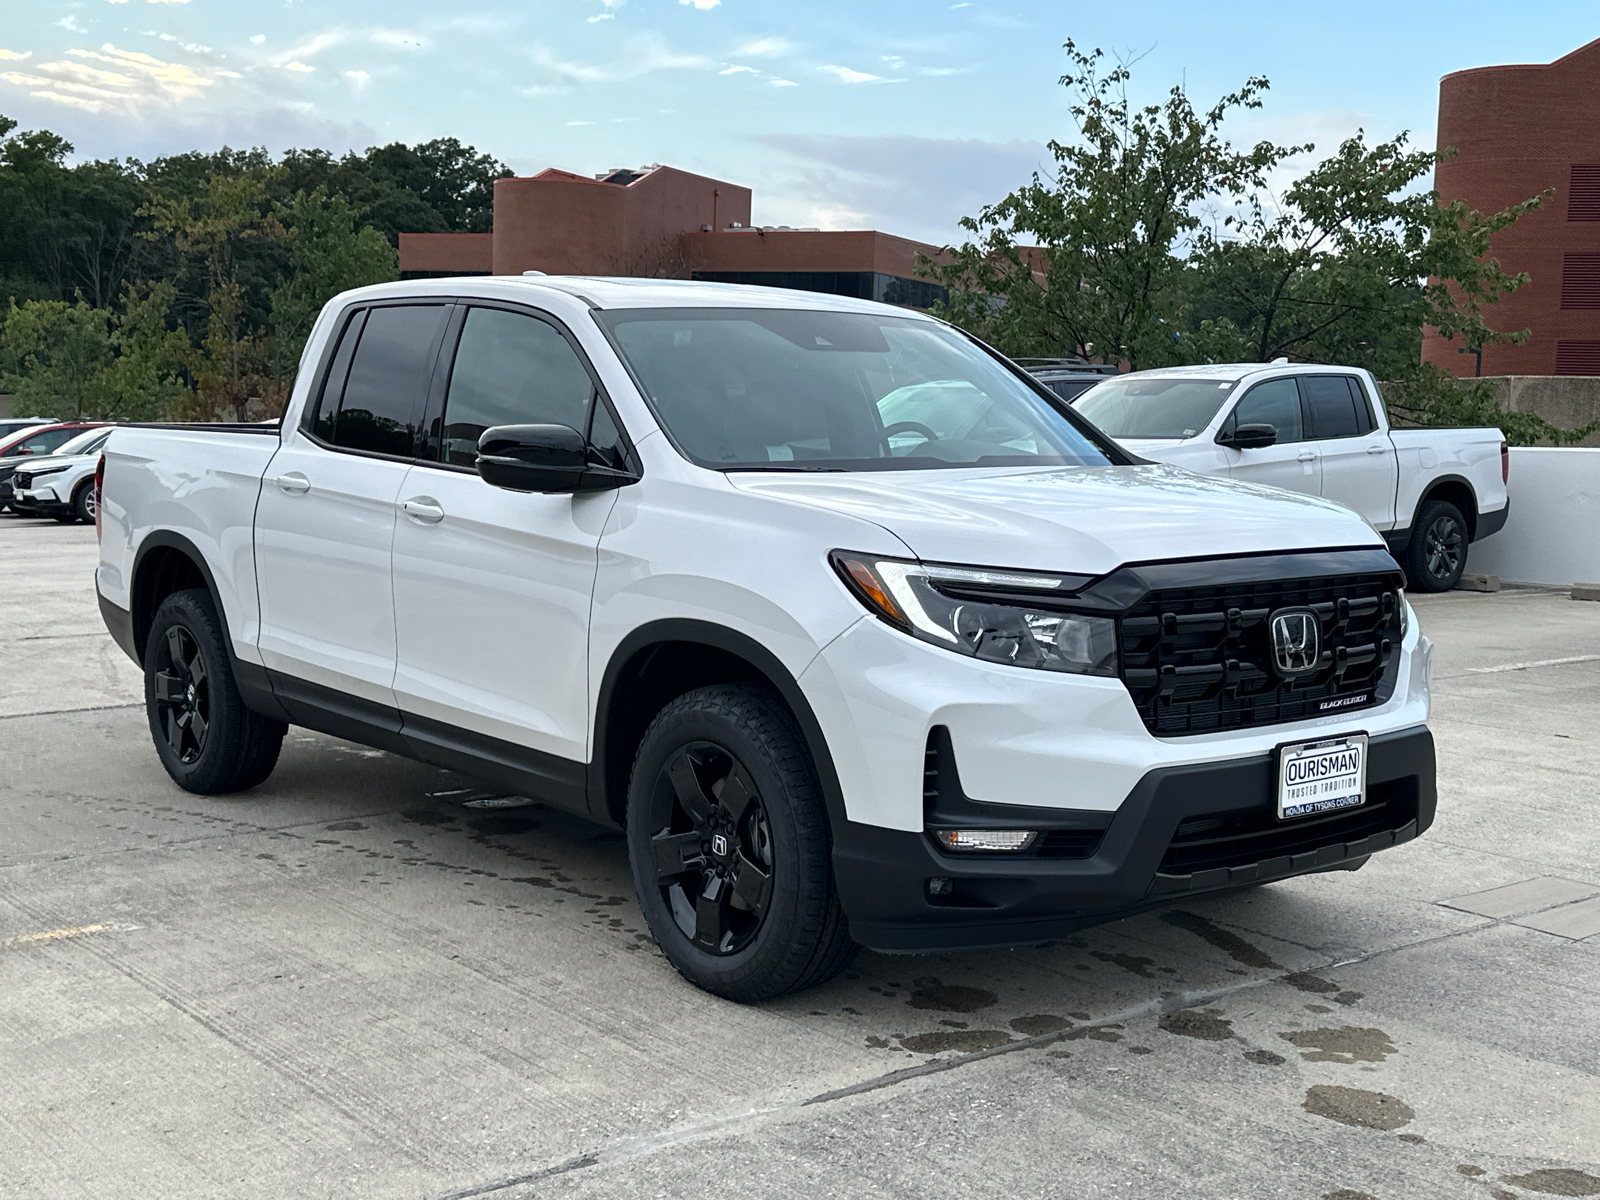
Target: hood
<point x="1087" y="520"/>
<point x="1151" y="447"/>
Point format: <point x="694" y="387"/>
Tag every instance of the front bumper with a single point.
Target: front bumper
<point x="1139" y="860"/>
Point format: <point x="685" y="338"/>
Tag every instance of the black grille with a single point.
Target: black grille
<point x="1253" y="835"/>
<point x="1198" y="660"/>
<point x="21" y="479"/>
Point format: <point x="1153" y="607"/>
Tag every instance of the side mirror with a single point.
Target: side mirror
<point x="532" y="458"/>
<point x="543" y="458"/>
<point x="1249" y="437"/>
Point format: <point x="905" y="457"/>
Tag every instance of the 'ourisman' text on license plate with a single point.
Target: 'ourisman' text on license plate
<point x="1322" y="776"/>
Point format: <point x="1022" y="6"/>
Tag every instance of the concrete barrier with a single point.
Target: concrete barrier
<point x="1553" y="536"/>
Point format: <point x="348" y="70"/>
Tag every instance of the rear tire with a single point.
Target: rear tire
<point x="207" y="739"/>
<point x="1437" y="553"/>
<point x="728" y="841"/>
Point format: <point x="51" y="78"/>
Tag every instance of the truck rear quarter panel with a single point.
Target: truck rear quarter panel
<point x="201" y="486"/>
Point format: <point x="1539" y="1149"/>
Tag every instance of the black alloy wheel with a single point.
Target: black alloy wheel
<point x="182" y="695"/>
<point x="1438" y="550"/>
<point x="728" y="840"/>
<point x="205" y="736"/>
<point x="712" y="849"/>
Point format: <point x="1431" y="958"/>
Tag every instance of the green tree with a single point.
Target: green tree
<point x="145" y="380"/>
<point x="328" y="254"/>
<point x="1100" y="275"/>
<point x="52" y="354"/>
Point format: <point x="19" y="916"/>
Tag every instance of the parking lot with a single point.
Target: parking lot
<point x="372" y="978"/>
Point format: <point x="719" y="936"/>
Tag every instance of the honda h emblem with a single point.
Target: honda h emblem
<point x="1296" y="642"/>
<point x="719" y="845"/>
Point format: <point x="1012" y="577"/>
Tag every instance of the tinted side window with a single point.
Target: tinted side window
<point x="605" y="438"/>
<point x="1333" y="408"/>
<point x="49" y="443"/>
<point x="510" y="369"/>
<point x="1364" y="418"/>
<point x="1275" y="403"/>
<point x="378" y="411"/>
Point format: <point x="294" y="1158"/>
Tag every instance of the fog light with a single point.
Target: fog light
<point x="938" y="886"/>
<point x="985" y="839"/>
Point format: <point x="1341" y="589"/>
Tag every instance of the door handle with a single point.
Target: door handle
<point x="1307" y="456"/>
<point x="294" y="484"/>
<point x="1377" y="449"/>
<point x="425" y="509"/>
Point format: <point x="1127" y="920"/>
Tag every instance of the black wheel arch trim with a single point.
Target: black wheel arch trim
<point x="1432" y="493"/>
<point x="605" y="807"/>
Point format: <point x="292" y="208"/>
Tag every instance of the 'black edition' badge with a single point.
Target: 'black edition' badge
<point x="1296" y="642"/>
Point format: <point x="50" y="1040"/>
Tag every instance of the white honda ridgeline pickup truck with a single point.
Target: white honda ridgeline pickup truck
<point x="858" y="638"/>
<point x="1321" y="430"/>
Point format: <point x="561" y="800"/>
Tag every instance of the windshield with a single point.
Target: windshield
<point x="768" y="389"/>
<point x="84" y="443"/>
<point x="1139" y="406"/>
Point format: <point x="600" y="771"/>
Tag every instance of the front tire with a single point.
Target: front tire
<point x="207" y="739"/>
<point x="83" y="502"/>
<point x="1437" y="553"/>
<point x="727" y="838"/>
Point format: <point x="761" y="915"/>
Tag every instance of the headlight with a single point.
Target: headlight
<point x="1014" y="617"/>
<point x="36" y="474"/>
<point x="1405" y="614"/>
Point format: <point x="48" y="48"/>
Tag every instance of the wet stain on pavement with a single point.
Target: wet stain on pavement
<point x="1235" y="947"/>
<point x="931" y="993"/>
<point x="1208" y="1025"/>
<point x="963" y="1040"/>
<point x="1128" y="962"/>
<point x="344" y="827"/>
<point x="1348" y="1194"/>
<point x="1040" y="1023"/>
<point x="1347" y="1044"/>
<point x="1356" y="1106"/>
<point x="1307" y="982"/>
<point x="1470" y="1171"/>
<point x="428" y="816"/>
<point x="1557" y="1182"/>
<point x="1348" y="998"/>
<point x="503" y="824"/>
<point x="1265" y="1058"/>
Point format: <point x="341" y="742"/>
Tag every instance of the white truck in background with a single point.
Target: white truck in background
<point x="1323" y="431"/>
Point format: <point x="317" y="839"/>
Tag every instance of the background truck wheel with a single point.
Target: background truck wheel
<point x="83" y="502"/>
<point x="208" y="740"/>
<point x="727" y="837"/>
<point x="1437" y="553"/>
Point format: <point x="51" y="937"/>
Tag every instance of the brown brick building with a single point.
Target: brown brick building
<point x="1520" y="130"/>
<point x="665" y="223"/>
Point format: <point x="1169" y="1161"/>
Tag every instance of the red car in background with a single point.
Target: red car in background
<point x="33" y="442"/>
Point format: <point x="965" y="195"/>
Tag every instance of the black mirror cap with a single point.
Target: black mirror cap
<point x="532" y="458"/>
<point x="543" y="458"/>
<point x="1249" y="437"/>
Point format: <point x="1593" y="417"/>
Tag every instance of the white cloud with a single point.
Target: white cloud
<point x="258" y="38"/>
<point x="70" y="23"/>
<point x="299" y="67"/>
<point x="110" y="79"/>
<point x="783" y="83"/>
<point x="167" y="1"/>
<point x="702" y="5"/>
<point x="942" y="72"/>
<point x="359" y="80"/>
<point x="13" y="56"/>
<point x="737" y="70"/>
<point x="912" y="186"/>
<point x="846" y="75"/>
<point x="640" y="56"/>
<point x="764" y="47"/>
<point x="580" y="122"/>
<point x="601" y="17"/>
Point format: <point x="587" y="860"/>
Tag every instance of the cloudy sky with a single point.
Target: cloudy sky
<point x="893" y="114"/>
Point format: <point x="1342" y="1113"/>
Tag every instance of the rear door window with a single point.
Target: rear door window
<point x="379" y="409"/>
<point x="48" y="442"/>
<point x="1276" y="403"/>
<point x="1332" y="403"/>
<point x="511" y="369"/>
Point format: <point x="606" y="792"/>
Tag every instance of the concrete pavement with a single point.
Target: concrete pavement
<point x="369" y="978"/>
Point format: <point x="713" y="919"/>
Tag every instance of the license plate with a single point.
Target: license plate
<point x="1322" y="776"/>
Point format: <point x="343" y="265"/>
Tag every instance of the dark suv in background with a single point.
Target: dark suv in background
<point x="1067" y="377"/>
